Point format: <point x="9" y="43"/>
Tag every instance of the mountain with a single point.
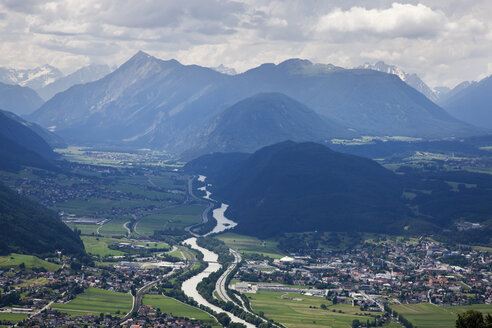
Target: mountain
<point x="84" y="75"/>
<point x="17" y="99"/>
<point x="444" y="93"/>
<point x="146" y="101"/>
<point x="30" y="228"/>
<point x="472" y="103"/>
<point x="53" y="140"/>
<point x="224" y="70"/>
<point x="164" y="104"/>
<point x="35" y="78"/>
<point x="262" y="120"/>
<point x="412" y="80"/>
<point x="370" y="102"/>
<point x="295" y="187"/>
<point x="21" y="146"/>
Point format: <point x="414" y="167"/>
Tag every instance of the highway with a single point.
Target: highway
<point x="220" y="286"/>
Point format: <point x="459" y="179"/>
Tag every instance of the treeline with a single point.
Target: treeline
<point x="206" y="289"/>
<point x="217" y="246"/>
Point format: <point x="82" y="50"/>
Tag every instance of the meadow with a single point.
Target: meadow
<point x="177" y="217"/>
<point x="249" y="244"/>
<point x="171" y="306"/>
<point x="30" y="261"/>
<point x="301" y="311"/>
<point x="12" y="317"/>
<point x="426" y="315"/>
<point x="97" y="301"/>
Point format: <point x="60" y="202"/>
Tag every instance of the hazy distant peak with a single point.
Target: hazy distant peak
<point x="35" y="78"/>
<point x="306" y="67"/>
<point x="412" y="80"/>
<point x="224" y="69"/>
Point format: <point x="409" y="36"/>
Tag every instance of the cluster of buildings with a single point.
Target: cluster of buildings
<point x="148" y="316"/>
<point x="398" y="271"/>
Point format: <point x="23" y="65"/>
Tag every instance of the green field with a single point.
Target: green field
<point x="248" y="244"/>
<point x="97" y="301"/>
<point x="99" y="245"/>
<point x="304" y="311"/>
<point x="85" y="229"/>
<point x="176" y="308"/>
<point x="12" y="317"/>
<point x="177" y="217"/>
<point x="14" y="260"/>
<point x="115" y="227"/>
<point x="426" y="315"/>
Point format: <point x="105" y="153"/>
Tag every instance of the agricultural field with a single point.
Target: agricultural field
<point x="97" y="301"/>
<point x="301" y="311"/>
<point x="176" y="308"/>
<point x="115" y="227"/>
<point x="426" y="315"/>
<point x="12" y="317"/>
<point x="248" y="244"/>
<point x="30" y="261"/>
<point x="100" y="245"/>
<point x="175" y="218"/>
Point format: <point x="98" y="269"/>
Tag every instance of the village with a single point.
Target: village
<point x="398" y="272"/>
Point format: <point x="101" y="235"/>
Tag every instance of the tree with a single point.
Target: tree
<point x="473" y="319"/>
<point x="355" y="323"/>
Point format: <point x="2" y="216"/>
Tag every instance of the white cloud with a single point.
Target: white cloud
<point x="442" y="41"/>
<point x="400" y="20"/>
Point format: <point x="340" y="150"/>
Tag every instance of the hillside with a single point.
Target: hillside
<point x="52" y="139"/>
<point x="22" y="146"/>
<point x="472" y="104"/>
<point x="17" y="99"/>
<point x="307" y="187"/>
<point x="262" y="120"/>
<point x="167" y="105"/>
<point x="29" y="228"/>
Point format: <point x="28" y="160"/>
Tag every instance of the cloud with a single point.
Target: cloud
<point x="400" y="20"/>
<point x="443" y="41"/>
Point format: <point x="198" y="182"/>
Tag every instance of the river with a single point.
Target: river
<point x="223" y="223"/>
<point x="189" y="286"/>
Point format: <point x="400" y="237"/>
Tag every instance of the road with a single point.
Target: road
<point x="220" y="286"/>
<point x="137" y="299"/>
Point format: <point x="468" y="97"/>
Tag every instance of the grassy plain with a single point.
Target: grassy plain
<point x="12" y="317"/>
<point x="300" y="311"/>
<point x="176" y="308"/>
<point x="99" y="245"/>
<point x="30" y="261"/>
<point x="426" y="315"/>
<point x="97" y="301"/>
<point x="177" y="217"/>
<point x="248" y="244"/>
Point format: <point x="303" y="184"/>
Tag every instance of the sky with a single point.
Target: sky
<point x="444" y="41"/>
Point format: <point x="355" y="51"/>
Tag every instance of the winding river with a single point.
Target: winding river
<point x="189" y="286"/>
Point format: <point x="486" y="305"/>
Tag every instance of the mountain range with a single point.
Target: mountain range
<point x="412" y="80"/>
<point x="35" y="78"/>
<point x="472" y="103"/>
<point x="83" y="75"/>
<point x="164" y="104"/>
<point x="47" y="80"/>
